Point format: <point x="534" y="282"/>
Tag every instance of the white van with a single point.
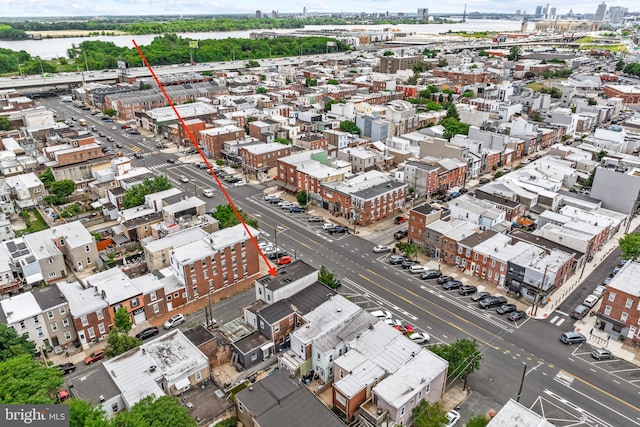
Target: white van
<point x="415" y="269"/>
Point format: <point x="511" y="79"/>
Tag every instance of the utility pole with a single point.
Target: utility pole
<point x="537" y="297"/>
<point x="524" y="374"/>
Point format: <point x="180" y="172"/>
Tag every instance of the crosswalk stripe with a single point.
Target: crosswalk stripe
<point x="554" y="319"/>
<point x="561" y="322"/>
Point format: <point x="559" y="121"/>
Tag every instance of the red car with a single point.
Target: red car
<point x="284" y="260"/>
<point x="94" y="357"/>
<point x="399" y="220"/>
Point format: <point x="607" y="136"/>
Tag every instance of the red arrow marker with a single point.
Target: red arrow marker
<point x="272" y="269"/>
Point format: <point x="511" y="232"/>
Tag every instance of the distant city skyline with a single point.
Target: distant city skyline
<point x="44" y="8"/>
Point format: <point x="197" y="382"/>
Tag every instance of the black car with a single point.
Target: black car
<point x="480" y="296"/>
<point x="490" y="302"/>
<point x="133" y="132"/>
<point x="485" y="181"/>
<point x="119" y="145"/>
<point x="339" y="229"/>
<point x="408" y="263"/>
<point x="147" y="333"/>
<point x="277" y="254"/>
<point x="396" y="259"/>
<point x="444" y="279"/>
<point x="275" y="200"/>
<point x="452" y="284"/>
<point x="506" y="308"/>
<point x="430" y="274"/>
<point x="467" y="290"/>
<point x="516" y="315"/>
<point x="171" y="161"/>
<point x="401" y="234"/>
<point x="67" y="367"/>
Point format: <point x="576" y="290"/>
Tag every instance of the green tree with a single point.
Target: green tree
<point x="25" y="380"/>
<point x="452" y="112"/>
<point x="119" y="342"/>
<point x="620" y="65"/>
<point x="327" y="277"/>
<point x="47" y="177"/>
<point x="409" y="249"/>
<point x="309" y="82"/>
<point x="110" y="112"/>
<point x="59" y="191"/>
<point x="630" y="245"/>
<point x="328" y="104"/>
<point x="81" y="414"/>
<point x="303" y="198"/>
<point x="454" y="127"/>
<point x="123" y="320"/>
<point x="228" y="218"/>
<point x="261" y="90"/>
<point x="427" y="414"/>
<point x="515" y="53"/>
<point x="483" y="53"/>
<point x="70" y="210"/>
<point x="497" y="175"/>
<point x="478" y="421"/>
<point x="468" y="93"/>
<point x="252" y="64"/>
<point x="349" y="127"/>
<point x="5" y="123"/>
<point x="388" y="53"/>
<point x="156" y="412"/>
<point x="14" y="345"/>
<point x="443" y="62"/>
<point x="463" y="356"/>
<point x="134" y="196"/>
<point x="601" y="155"/>
<point x="333" y="82"/>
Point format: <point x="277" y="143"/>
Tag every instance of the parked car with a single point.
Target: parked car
<point x="491" y="302"/>
<point x="285" y="204"/>
<point x="316" y="218"/>
<point x="174" y="321"/>
<point x="484" y="181"/>
<point x="169" y="160"/>
<point x="401" y="234"/>
<point x="506" y="308"/>
<point x="275" y="200"/>
<point x="579" y="312"/>
<point x="133" y="131"/>
<point x="339" y="229"/>
<point x="599" y="291"/>
<point x="110" y="139"/>
<point x="590" y="301"/>
<point x="444" y="279"/>
<point x="419" y="337"/>
<point x="67" y="367"/>
<point x="207" y="193"/>
<point x="148" y="333"/>
<point x="63" y="395"/>
<point x="327" y="226"/>
<point x="571" y="337"/>
<point x="283" y="260"/>
<point x="601" y="354"/>
<point x="399" y="220"/>
<point x="408" y="263"/>
<point x="393" y="322"/>
<point x="381" y="249"/>
<point x="417" y="268"/>
<point x="296" y="209"/>
<point x="452" y="418"/>
<point x="467" y="290"/>
<point x="514" y="316"/>
<point x="94" y="357"/>
<point x="382" y="314"/>
<point x="396" y="259"/>
<point x="277" y="254"/>
<point x="451" y="284"/>
<point x="430" y="274"/>
<point x="239" y="183"/>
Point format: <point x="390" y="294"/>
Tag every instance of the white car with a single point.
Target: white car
<point x="207" y="193"/>
<point x="393" y="322"/>
<point x="599" y="291"/>
<point x="239" y="183"/>
<point x="420" y="337"/>
<point x="590" y="301"/>
<point x="382" y="314"/>
<point x="327" y="226"/>
<point x="381" y="248"/>
<point x="183" y="178"/>
<point x="452" y="418"/>
<point x="284" y="203"/>
<point x="174" y="321"/>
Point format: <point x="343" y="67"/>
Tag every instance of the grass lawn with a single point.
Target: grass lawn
<point x="535" y="86"/>
<point x="35" y="223"/>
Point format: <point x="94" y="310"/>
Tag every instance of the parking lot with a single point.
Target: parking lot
<point x="621" y="370"/>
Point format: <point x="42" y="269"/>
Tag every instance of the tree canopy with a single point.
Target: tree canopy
<point x="630" y="245"/>
<point x="134" y="196"/>
<point x="5" y="123"/>
<point x="59" y="191"/>
<point x="327" y="277"/>
<point x="81" y="414"/>
<point x="119" y="342"/>
<point x="123" y="320"/>
<point x="25" y="380"/>
<point x="227" y="217"/>
<point x="427" y="414"/>
<point x="13" y="345"/>
<point x="515" y="53"/>
<point x="453" y="127"/>
<point x="349" y="126"/>
<point x="463" y="356"/>
<point x="303" y="198"/>
<point x="156" y="412"/>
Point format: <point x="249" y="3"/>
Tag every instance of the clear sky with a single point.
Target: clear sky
<point x="194" y="7"/>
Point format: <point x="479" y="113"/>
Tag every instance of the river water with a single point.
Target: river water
<point x="54" y="48"/>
